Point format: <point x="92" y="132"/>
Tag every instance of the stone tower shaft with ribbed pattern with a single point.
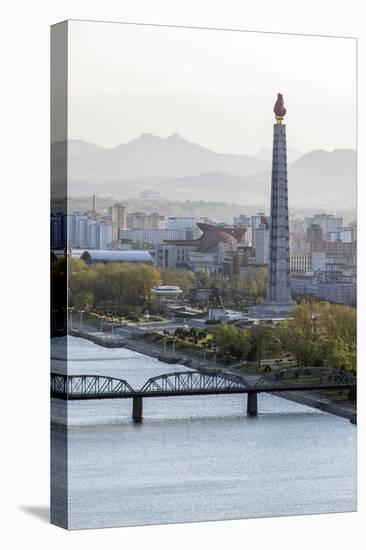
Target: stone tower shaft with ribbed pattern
<point x="279" y="289"/>
<point x="278" y="303"/>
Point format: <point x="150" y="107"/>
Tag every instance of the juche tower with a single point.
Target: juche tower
<point x="278" y="302"/>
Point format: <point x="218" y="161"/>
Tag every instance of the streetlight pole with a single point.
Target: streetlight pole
<point x="313" y="320"/>
<point x="81" y="320"/>
<point x="165" y="333"/>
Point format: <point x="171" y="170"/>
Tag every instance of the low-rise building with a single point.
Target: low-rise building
<point x="338" y="293"/>
<point x="304" y="286"/>
<point x="300" y="262"/>
<point x="151" y="236"/>
<point x="92" y="257"/>
<point x="338" y="290"/>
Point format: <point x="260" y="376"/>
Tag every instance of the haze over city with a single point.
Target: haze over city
<point x="214" y="89"/>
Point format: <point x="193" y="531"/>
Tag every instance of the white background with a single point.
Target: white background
<point x="24" y="168"/>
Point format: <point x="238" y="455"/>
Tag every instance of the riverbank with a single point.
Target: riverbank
<point x="134" y="342"/>
<point x="345" y="410"/>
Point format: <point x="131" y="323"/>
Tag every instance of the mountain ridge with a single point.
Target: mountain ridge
<point x="177" y="168"/>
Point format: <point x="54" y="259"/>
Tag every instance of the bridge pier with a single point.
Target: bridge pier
<point x="252" y="403"/>
<point x="137" y="409"/>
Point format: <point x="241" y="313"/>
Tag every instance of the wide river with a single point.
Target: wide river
<point x="195" y="458"/>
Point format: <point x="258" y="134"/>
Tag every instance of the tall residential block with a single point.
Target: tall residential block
<point x="118" y="215"/>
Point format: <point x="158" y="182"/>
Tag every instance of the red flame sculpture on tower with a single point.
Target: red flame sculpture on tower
<point x="279" y="109"/>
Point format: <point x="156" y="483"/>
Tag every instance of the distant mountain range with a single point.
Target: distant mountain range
<point x="150" y="156"/>
<point x="176" y="169"/>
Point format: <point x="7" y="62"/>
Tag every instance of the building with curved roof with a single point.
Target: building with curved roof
<point x="218" y="250"/>
<point x="91" y="257"/>
<point x="212" y="236"/>
<point x="166" y="290"/>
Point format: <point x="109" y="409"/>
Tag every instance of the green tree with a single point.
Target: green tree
<point x="263" y="340"/>
<point x="184" y="279"/>
<point x="320" y="333"/>
<point x="83" y="301"/>
<point x="234" y="340"/>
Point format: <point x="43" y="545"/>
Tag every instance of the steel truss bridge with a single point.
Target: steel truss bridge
<point x="94" y="386"/>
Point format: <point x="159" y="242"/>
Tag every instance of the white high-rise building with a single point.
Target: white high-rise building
<point x="328" y="222"/>
<point x="92" y="239"/>
<point x="318" y="261"/>
<point x="83" y="233"/>
<point x="104" y="235"/>
<point x="118" y="215"/>
<point x="256" y="221"/>
<point x="261" y="244"/>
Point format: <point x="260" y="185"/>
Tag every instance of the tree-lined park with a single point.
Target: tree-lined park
<point x="318" y="334"/>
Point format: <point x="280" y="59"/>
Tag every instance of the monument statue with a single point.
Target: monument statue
<point x="214" y="298"/>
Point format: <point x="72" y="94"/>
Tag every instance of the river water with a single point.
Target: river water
<point x="194" y="458"/>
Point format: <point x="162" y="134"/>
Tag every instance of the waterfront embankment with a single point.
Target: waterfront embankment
<point x="132" y="339"/>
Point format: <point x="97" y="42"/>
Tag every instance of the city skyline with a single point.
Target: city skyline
<point x="322" y="246"/>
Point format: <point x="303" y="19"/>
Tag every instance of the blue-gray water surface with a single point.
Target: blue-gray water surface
<point x="195" y="458"/>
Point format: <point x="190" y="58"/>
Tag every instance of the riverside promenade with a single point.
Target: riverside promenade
<point x="135" y="342"/>
<point x="131" y="337"/>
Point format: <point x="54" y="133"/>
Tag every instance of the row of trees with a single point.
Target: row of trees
<point x="319" y="334"/>
<point x="322" y="334"/>
<point x="194" y="334"/>
<point x="237" y="290"/>
<point x="126" y="285"/>
<point x="121" y="284"/>
<point x="251" y="344"/>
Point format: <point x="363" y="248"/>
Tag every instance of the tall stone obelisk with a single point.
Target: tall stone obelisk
<point x="278" y="302"/>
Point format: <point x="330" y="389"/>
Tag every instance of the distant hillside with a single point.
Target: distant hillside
<point x="150" y="156"/>
<point x="176" y="169"/>
<point x="218" y="186"/>
<point x="325" y="178"/>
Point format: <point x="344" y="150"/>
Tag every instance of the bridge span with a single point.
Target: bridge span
<point x="94" y="386"/>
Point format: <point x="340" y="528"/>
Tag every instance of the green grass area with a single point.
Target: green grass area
<point x="90" y="320"/>
<point x="184" y="346"/>
<point x="93" y="319"/>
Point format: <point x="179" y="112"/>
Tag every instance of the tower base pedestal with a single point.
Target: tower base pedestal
<point x="271" y="310"/>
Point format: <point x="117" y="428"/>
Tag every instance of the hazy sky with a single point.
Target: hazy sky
<point x="216" y="88"/>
